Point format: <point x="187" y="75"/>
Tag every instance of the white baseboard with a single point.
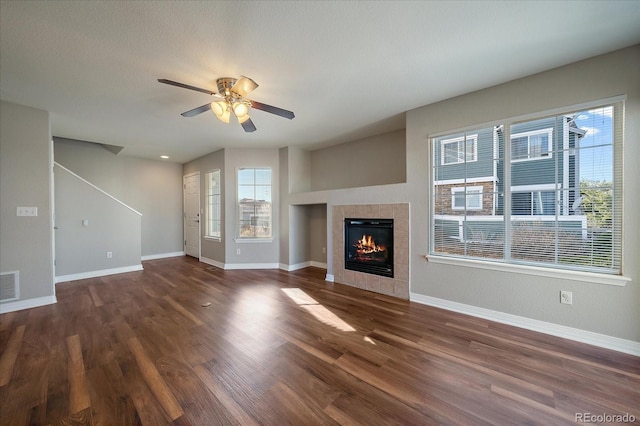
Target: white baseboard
<point x="212" y="262"/>
<point x="329" y="278"/>
<point x="302" y="265"/>
<point x="162" y="255"/>
<point x="100" y="273"/>
<point x="251" y="266"/>
<point x="295" y="266"/>
<point x="27" y="304"/>
<point x="589" y="337"/>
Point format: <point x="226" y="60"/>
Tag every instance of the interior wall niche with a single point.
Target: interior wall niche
<point x="398" y="285"/>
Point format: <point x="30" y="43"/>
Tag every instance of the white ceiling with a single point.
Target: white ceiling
<point x="347" y="69"/>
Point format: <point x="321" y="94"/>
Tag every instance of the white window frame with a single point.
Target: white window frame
<point x="212" y="209"/>
<point x="470" y="191"/>
<point x="550" y="270"/>
<point x="239" y="236"/>
<point x="546" y="155"/>
<point x="461" y="158"/>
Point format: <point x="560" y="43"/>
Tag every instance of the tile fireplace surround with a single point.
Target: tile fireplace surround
<point x="397" y="286"/>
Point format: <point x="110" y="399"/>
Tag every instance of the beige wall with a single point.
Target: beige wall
<point x="378" y="160"/>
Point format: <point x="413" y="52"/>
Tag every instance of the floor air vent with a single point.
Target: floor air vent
<point x="9" y="286"/>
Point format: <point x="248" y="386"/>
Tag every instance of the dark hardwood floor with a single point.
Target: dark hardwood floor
<point x="279" y="348"/>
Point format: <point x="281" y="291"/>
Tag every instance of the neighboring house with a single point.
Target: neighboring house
<point x="468" y="174"/>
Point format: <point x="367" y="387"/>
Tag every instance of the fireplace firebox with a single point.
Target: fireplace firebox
<point x="369" y="246"/>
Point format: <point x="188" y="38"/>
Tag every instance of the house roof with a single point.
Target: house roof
<point x="347" y="69"/>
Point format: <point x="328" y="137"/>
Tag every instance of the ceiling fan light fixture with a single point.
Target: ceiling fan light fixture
<point x="243" y="86"/>
<point x="242" y="119"/>
<point x="221" y="110"/>
<point x="240" y="109"/>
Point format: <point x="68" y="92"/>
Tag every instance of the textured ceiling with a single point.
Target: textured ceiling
<point x="347" y="69"/>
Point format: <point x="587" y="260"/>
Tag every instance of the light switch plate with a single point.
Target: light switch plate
<point x="27" y="211"/>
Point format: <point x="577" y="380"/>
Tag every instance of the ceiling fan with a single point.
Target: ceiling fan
<point x="232" y="99"/>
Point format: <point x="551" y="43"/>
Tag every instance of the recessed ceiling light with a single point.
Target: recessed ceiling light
<point x="166" y="157"/>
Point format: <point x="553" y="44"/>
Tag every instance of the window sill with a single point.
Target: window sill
<point x="216" y="239"/>
<point x="591" y="277"/>
<point x="253" y="240"/>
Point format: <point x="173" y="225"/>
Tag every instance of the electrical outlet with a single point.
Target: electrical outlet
<point x="109" y="254"/>
<point x="237" y="251"/>
<point x="566" y="297"/>
<point x="324" y="250"/>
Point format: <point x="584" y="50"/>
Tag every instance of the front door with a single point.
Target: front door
<point x="192" y="214"/>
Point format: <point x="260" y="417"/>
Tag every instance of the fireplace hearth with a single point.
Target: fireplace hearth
<point x="369" y="246"/>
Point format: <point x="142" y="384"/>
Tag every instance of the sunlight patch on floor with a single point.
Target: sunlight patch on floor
<point x="319" y="312"/>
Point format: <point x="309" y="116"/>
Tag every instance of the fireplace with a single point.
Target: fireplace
<point x="369" y="246"/>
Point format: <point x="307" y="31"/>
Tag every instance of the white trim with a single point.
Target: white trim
<point x="52" y="215"/>
<point x="467" y="190"/>
<point x="162" y="255"/>
<point x="212" y="262"/>
<point x="208" y="205"/>
<point x="27" y="304"/>
<point x="457" y="141"/>
<point x="99" y="273"/>
<point x="329" y="278"/>
<point x="302" y="265"/>
<point x="481" y="179"/>
<point x="531" y="116"/>
<point x="584" y="336"/>
<point x="251" y="266"/>
<point x="533" y="188"/>
<point x="253" y="240"/>
<point x="96" y="188"/>
<point x="238" y="238"/>
<point x="548" y="131"/>
<point x="294" y="267"/>
<point x="565" y="274"/>
<point x="565" y="166"/>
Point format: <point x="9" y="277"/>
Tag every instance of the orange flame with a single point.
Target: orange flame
<point x="366" y="245"/>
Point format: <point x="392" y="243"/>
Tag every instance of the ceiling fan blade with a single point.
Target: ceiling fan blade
<point x="185" y="86"/>
<point x="243" y="86"/>
<point x="248" y="126"/>
<point x="196" y="111"/>
<point x="273" y="110"/>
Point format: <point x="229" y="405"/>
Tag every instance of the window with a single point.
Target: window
<point x="533" y="203"/>
<point x="213" y="222"/>
<point x="471" y="199"/>
<point x="254" y="203"/>
<point x="531" y="145"/>
<point x="459" y="150"/>
<point x="564" y="212"/>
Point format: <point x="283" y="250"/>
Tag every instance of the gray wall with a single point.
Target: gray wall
<point x="112" y="227"/>
<point x="600" y="308"/>
<point x="605" y="309"/>
<point x="378" y="160"/>
<point x="26" y="243"/>
<point x="154" y="188"/>
<point x="209" y="248"/>
<point x="317" y="214"/>
<point x="250" y="252"/>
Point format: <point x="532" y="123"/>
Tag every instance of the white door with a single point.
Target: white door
<point x="192" y="214"/>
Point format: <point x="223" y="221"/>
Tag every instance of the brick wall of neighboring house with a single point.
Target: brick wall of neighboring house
<point x="443" y="200"/>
